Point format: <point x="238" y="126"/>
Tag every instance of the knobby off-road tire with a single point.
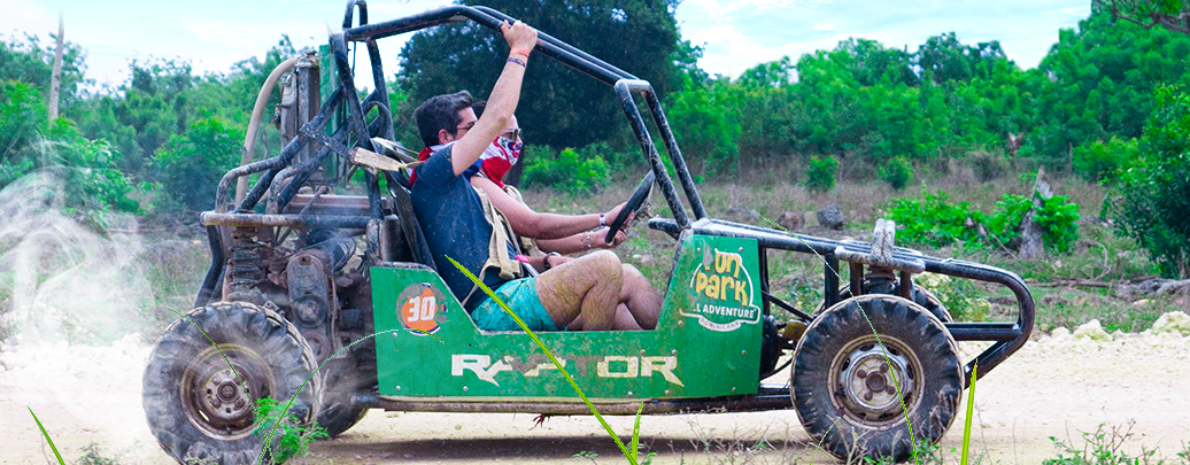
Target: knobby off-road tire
<point x="197" y="406"/>
<point x="921" y="297"/>
<point x="843" y="390"/>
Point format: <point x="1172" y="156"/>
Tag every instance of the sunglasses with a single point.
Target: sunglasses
<point x="512" y="134"/>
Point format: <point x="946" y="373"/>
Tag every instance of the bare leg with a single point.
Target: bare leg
<point x="588" y="286"/>
<point x="642" y="300"/>
<point x="624" y="320"/>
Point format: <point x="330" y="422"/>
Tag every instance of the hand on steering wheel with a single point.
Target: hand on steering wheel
<point x="631" y="207"/>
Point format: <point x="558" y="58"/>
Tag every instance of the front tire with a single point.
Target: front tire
<point x="200" y="406"/>
<point x="843" y="384"/>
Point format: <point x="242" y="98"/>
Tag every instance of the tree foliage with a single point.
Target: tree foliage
<point x="1153" y="202"/>
<point x="189" y="166"/>
<point x="562" y="107"/>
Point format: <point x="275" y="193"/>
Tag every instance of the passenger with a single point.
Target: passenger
<point x="460" y="223"/>
<point x="643" y="303"/>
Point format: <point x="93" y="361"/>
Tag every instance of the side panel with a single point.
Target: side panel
<point x="707" y="342"/>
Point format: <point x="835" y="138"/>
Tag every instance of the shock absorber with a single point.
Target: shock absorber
<point x="246" y="267"/>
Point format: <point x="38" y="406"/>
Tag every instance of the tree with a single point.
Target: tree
<point x="31" y="62"/>
<point x="946" y="59"/>
<point x="1153" y="199"/>
<point x="1099" y="82"/>
<point x="1173" y="14"/>
<point x="559" y="107"/>
<point x="190" y="166"/>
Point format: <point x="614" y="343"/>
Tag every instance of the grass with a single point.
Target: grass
<point x="1105" y="446"/>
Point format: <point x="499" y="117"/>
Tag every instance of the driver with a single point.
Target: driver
<point x="641" y="301"/>
<point x="460" y="222"/>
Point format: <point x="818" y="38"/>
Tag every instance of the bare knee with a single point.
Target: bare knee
<point x="631" y="274"/>
<point x="606" y="264"/>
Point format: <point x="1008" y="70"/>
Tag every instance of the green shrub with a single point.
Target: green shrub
<point x="898" y="173"/>
<point x="21" y="115"/>
<point x="87" y="168"/>
<point x="567" y="172"/>
<point x="1058" y="217"/>
<point x="291" y="439"/>
<point x="190" y="166"/>
<point x="1101" y="162"/>
<point x="821" y="173"/>
<point x="932" y="221"/>
<point x="1153" y="196"/>
<point x="936" y="222"/>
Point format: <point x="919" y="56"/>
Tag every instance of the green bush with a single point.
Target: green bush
<point x="21" y="114"/>
<point x="567" y="172"/>
<point x="87" y="168"/>
<point x="934" y="221"/>
<point x="190" y="166"/>
<point x="820" y="176"/>
<point x="289" y="438"/>
<point x="898" y="173"/>
<point x="1101" y="162"/>
<point x="1152" y="199"/>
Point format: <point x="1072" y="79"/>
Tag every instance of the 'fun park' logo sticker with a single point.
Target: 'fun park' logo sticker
<point x="722" y="292"/>
<point x="421" y="309"/>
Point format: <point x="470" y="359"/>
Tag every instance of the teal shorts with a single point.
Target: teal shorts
<point x="521" y="297"/>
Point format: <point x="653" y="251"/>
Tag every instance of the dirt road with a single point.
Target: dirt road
<point x="1056" y="386"/>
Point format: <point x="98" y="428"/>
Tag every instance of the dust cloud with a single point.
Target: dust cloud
<point x="72" y="303"/>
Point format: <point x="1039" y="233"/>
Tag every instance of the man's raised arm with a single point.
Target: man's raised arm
<point x="501" y="103"/>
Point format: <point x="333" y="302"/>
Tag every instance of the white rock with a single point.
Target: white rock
<point x="1093" y="330"/>
<point x="1060" y="333"/>
<point x="1173" y="322"/>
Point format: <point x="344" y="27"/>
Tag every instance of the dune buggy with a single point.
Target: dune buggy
<point x="302" y="274"/>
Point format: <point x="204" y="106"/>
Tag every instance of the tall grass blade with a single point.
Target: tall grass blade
<point x="47" y="437"/>
<point x="627" y="454"/>
<point x="243" y="383"/>
<point x="970" y="408"/>
<point x="636" y="433"/>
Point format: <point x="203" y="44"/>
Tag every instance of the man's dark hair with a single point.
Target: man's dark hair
<point x="441" y="112"/>
<point x="479" y="107"/>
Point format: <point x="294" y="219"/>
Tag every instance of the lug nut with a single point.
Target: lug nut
<point x="883" y="368"/>
<point x="890" y="390"/>
<point x="867" y="396"/>
<point x="861" y="373"/>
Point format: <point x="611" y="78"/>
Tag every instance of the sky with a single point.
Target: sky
<point x="736" y="34"/>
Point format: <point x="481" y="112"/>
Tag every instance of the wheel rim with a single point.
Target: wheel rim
<point x="862" y="385"/>
<point x="212" y="397"/>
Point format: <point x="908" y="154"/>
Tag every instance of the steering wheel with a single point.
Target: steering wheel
<point x="635" y="204"/>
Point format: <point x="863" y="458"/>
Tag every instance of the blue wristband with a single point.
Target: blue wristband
<point x="517" y="61"/>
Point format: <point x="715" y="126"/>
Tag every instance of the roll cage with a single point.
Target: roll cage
<point x="284" y="174"/>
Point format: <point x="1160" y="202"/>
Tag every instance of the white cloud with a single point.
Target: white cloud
<point x="824" y="27"/>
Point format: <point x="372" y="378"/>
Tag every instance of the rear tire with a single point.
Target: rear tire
<point x="844" y="394"/>
<point x="197" y="407"/>
<point x="343" y="377"/>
